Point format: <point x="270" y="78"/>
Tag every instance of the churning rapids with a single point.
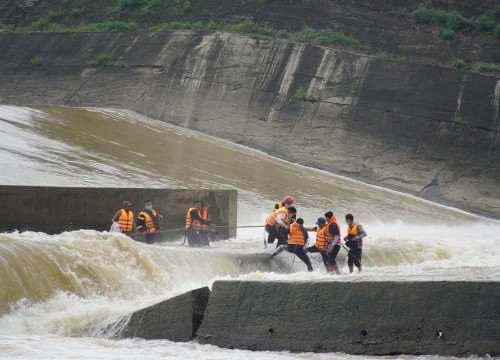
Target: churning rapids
<point x="54" y="290"/>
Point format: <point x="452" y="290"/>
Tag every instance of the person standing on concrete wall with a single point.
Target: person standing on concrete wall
<point x="125" y="217"/>
<point x="334" y="241"/>
<point x="320" y="246"/>
<point x="194" y="224"/>
<point x="148" y="221"/>
<point x="277" y="225"/>
<point x="354" y="241"/>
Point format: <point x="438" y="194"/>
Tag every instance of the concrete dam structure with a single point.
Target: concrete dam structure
<point x="364" y="318"/>
<point x="426" y="130"/>
<point x="58" y="209"/>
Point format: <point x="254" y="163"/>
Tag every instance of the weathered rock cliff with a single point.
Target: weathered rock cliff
<point x="386" y="122"/>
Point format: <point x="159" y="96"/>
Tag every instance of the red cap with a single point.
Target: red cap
<point x="288" y="200"/>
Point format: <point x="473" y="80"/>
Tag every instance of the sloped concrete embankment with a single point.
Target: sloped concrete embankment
<point x="372" y="318"/>
<point x="369" y="318"/>
<point x="427" y="130"/>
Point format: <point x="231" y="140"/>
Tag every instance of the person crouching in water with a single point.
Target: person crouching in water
<point x="320" y="246"/>
<point x="194" y="224"/>
<point x="334" y="241"/>
<point x="354" y="241"/>
<point x="298" y="239"/>
<point x="277" y="225"/>
<point x="148" y="221"/>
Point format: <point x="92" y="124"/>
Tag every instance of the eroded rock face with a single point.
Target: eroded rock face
<point x="369" y="318"/>
<point x="175" y="319"/>
<point x="385" y="122"/>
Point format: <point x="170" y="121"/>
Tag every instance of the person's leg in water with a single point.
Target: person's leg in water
<point x="150" y="238"/>
<point x="192" y="237"/>
<point x="301" y="254"/>
<point x="284" y="237"/>
<point x="354" y="258"/>
<point x="275" y="233"/>
<point x="270" y="231"/>
<point x="332" y="262"/>
<point x="203" y="237"/>
<point x="278" y="250"/>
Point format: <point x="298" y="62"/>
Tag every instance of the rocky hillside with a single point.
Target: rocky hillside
<point x="458" y="33"/>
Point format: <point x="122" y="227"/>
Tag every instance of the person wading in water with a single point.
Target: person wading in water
<point x="354" y="241"/>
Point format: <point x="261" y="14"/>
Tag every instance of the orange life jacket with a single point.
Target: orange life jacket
<point x="190" y="223"/>
<point x="321" y="238"/>
<point x="150" y="225"/>
<point x="296" y="235"/>
<point x="271" y="219"/>
<point x="126" y="220"/>
<point x="354" y="231"/>
<point x="331" y="237"/>
<point x="204" y="216"/>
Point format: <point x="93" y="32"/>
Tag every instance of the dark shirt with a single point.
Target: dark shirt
<point x="333" y="229"/>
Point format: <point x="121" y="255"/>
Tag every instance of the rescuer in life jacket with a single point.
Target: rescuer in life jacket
<point x="334" y="241"/>
<point x="354" y="241"/>
<point x="148" y="221"/>
<point x="298" y="239"/>
<point x="287" y="202"/>
<point x="125" y="218"/>
<point x="194" y="224"/>
<point x="278" y="224"/>
<point x="321" y="242"/>
<point x="207" y="233"/>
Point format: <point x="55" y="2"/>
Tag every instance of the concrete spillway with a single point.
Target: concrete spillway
<point x="372" y="318"/>
<point x="387" y="122"/>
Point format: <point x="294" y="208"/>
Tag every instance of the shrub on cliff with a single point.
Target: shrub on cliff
<point x="496" y="32"/>
<point x="448" y="34"/>
<point x="102" y="60"/>
<point x="108" y="26"/>
<point x="37" y="61"/>
<point x="453" y="20"/>
<point x="488" y="68"/>
<point x="458" y="63"/>
<point x="326" y="37"/>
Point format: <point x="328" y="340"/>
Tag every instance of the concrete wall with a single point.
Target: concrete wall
<point x="369" y="318"/>
<point x="57" y="209"/>
<point x="382" y="121"/>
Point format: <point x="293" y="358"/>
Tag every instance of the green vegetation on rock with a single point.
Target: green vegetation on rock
<point x="448" y="34"/>
<point x="453" y="20"/>
<point x="458" y="63"/>
<point x="37" y="61"/>
<point x="457" y="120"/>
<point x="488" y="68"/>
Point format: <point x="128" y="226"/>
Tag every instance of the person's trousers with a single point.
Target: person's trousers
<point x="299" y="251"/>
<point x="354" y="257"/>
<point x="276" y="233"/>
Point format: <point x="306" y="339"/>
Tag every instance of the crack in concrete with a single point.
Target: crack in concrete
<point x="82" y="85"/>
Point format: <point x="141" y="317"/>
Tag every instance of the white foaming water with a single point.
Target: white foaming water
<point x="56" y="289"/>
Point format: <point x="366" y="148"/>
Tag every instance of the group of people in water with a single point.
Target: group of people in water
<point x="292" y="236"/>
<point x="282" y="225"/>
<point x="199" y="229"/>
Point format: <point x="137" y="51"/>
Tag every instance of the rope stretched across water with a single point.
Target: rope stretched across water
<point x="215" y="227"/>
